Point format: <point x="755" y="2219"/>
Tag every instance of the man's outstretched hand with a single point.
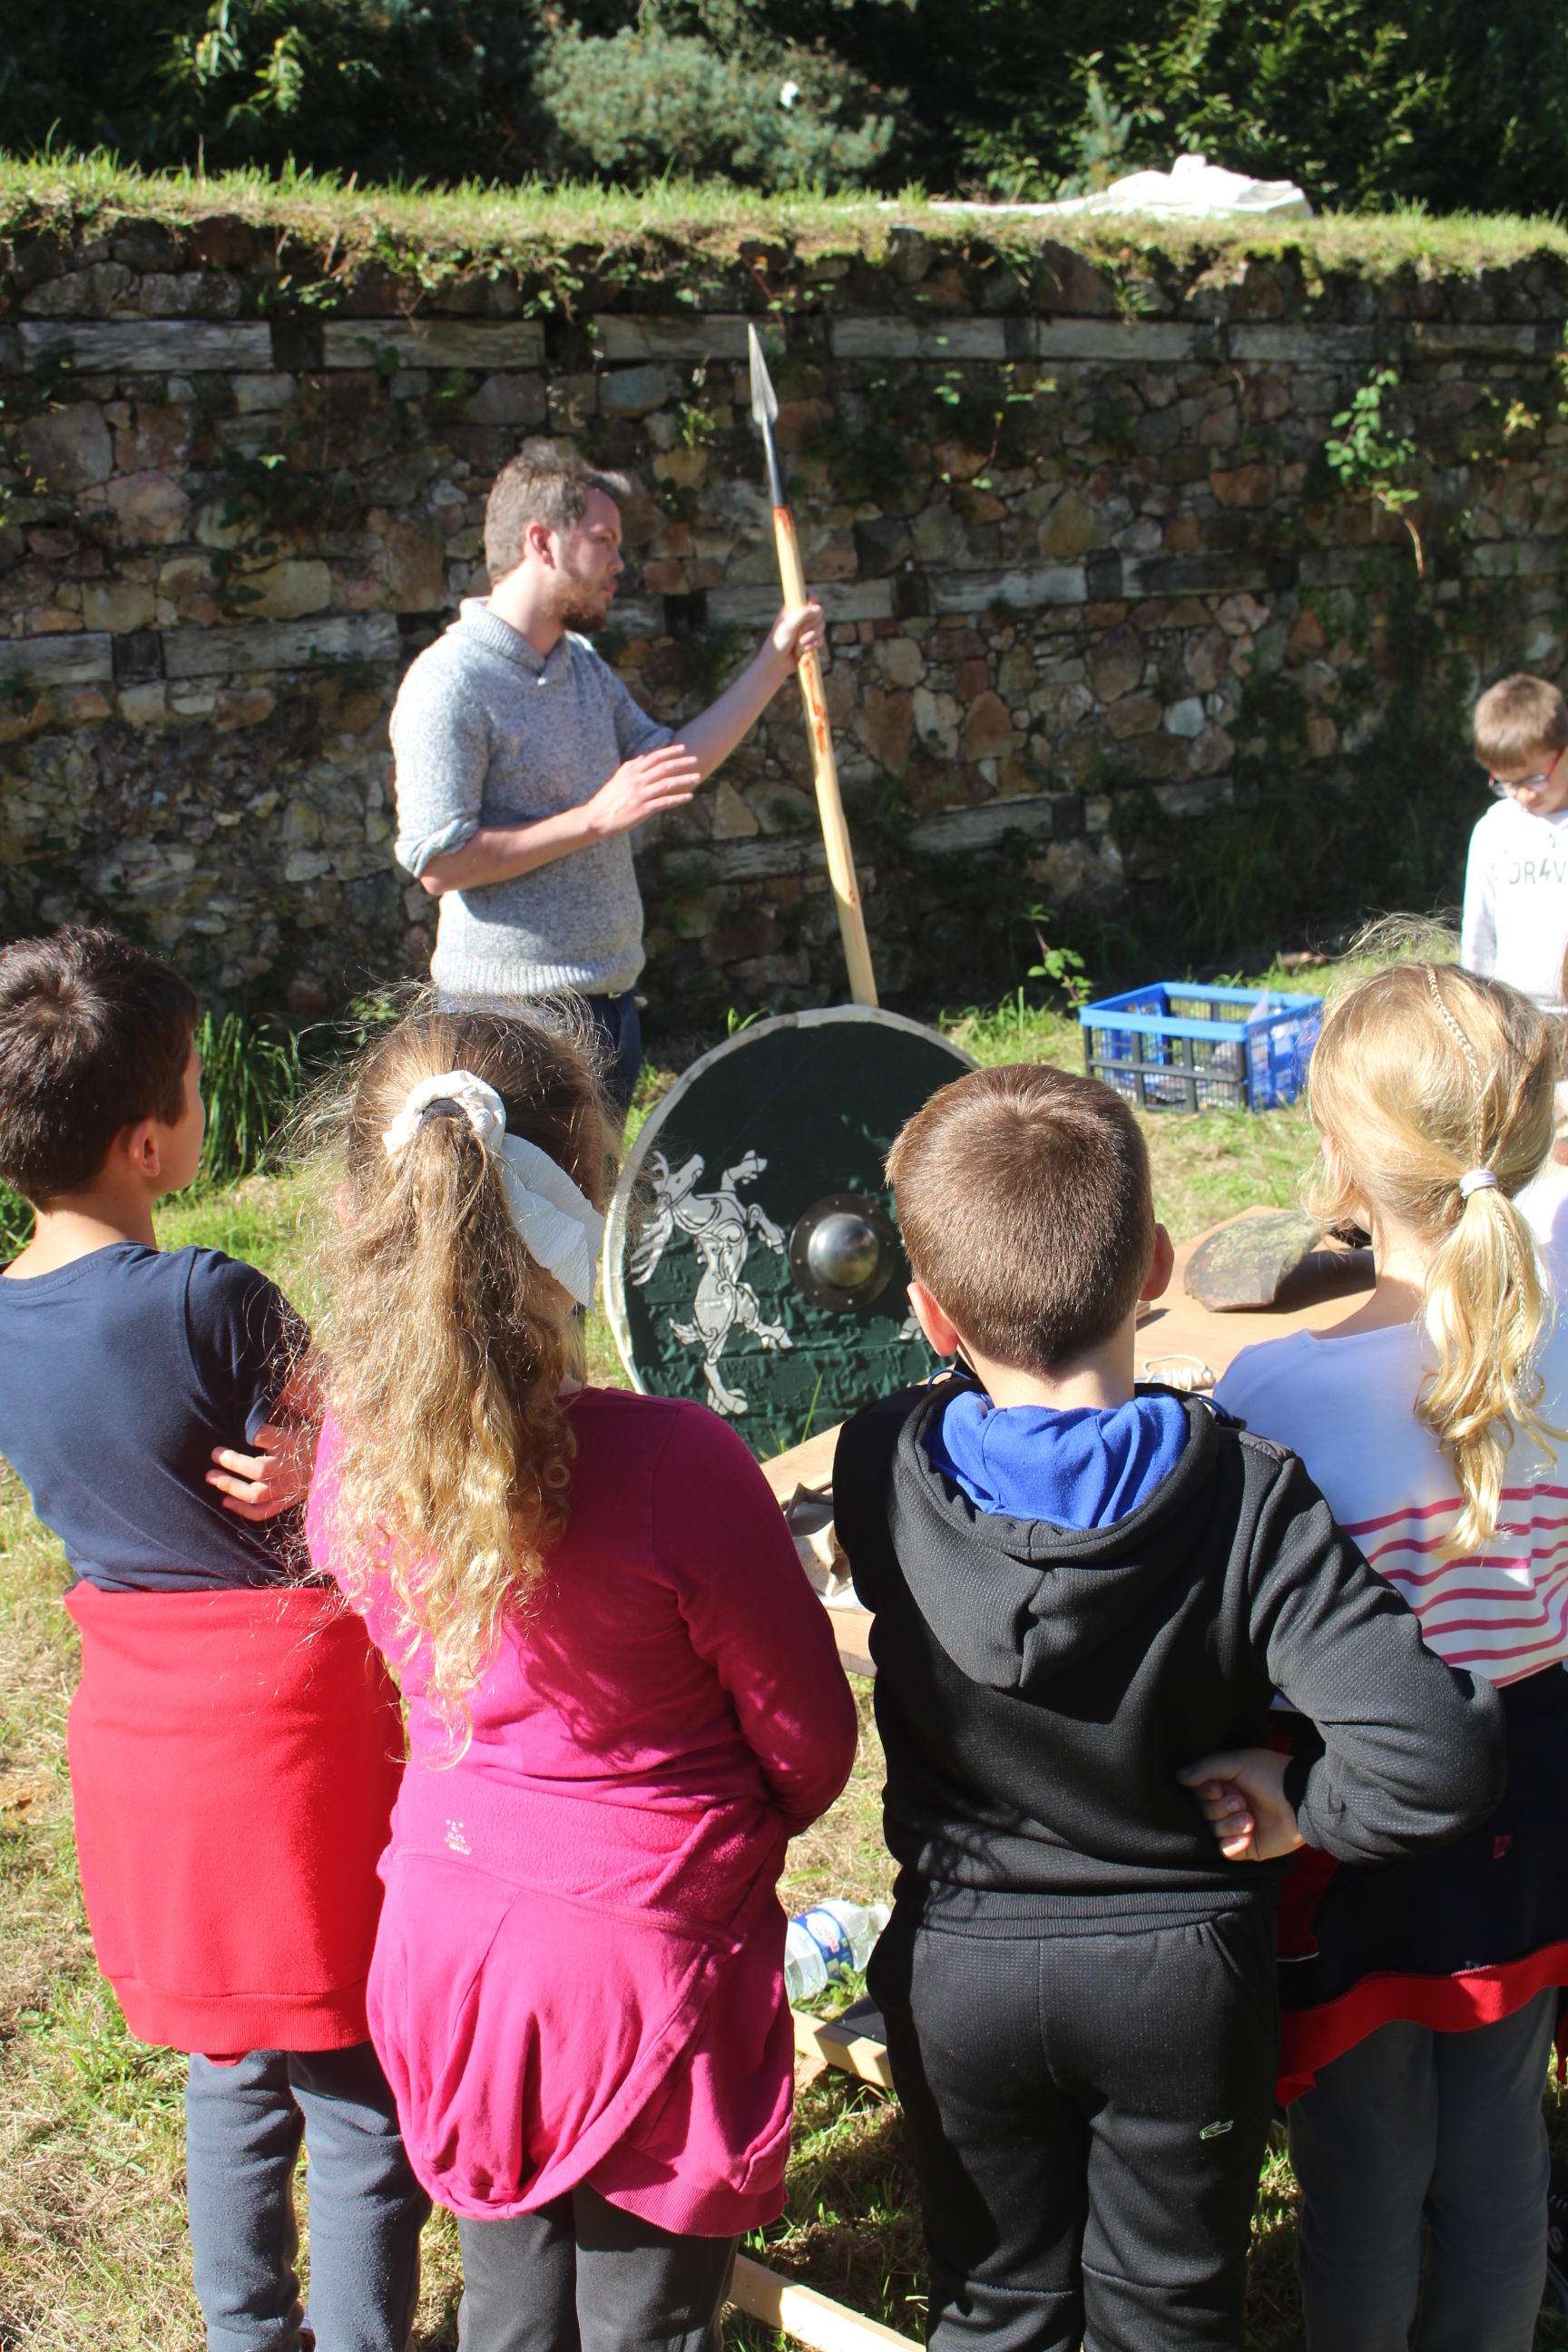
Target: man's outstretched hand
<point x="644" y="787"/>
<point x="278" y="1476"/>
<point x="1241" y="1795"/>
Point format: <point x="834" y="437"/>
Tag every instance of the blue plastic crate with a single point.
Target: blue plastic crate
<point x="1178" y="1045"/>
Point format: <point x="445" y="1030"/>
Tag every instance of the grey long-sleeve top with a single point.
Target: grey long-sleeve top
<point x="485" y="733"/>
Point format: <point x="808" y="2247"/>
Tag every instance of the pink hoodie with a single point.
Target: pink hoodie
<point x="579" y="1969"/>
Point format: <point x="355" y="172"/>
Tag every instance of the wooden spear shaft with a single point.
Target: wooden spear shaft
<point x="819" y="734"/>
<point x="824" y="773"/>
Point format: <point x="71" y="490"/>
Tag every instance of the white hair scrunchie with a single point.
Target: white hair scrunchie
<point x="1477" y="1180"/>
<point x="558" y="1226"/>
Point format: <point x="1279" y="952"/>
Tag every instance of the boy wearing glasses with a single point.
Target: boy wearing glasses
<point x="1515" y="882"/>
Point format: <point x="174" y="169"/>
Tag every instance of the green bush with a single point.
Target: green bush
<point x="647" y="102"/>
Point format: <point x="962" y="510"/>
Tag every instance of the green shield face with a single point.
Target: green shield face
<point x="752" y="1261"/>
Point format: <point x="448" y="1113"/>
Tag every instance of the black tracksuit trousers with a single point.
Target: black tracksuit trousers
<point x="1089" y="2113"/>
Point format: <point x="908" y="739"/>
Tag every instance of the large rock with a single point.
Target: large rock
<point x="118" y="605"/>
<point x="150" y="509"/>
<point x="286" y="592"/>
<point x="634" y="392"/>
<point x="416" y="567"/>
<point x="83" y="294"/>
<point x="508" y="400"/>
<point x="1243" y="486"/>
<point x="66" y="448"/>
<point x="157" y="439"/>
<point x="190" y="294"/>
<point x="1066" y="282"/>
<point x="885" y="724"/>
<point x="1116" y="664"/>
<point x="987" y="728"/>
<point x="1070" y="528"/>
<point x="1243" y="1264"/>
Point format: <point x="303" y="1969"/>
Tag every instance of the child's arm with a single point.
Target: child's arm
<point x="246" y="1346"/>
<point x="752" y="1613"/>
<point x="1478" y="927"/>
<point x="1414" y="1752"/>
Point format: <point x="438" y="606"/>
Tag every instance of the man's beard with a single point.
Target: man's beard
<point x="578" y="607"/>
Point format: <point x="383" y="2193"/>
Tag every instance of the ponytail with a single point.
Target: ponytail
<point x="444" y="1345"/>
<point x="1436" y="1088"/>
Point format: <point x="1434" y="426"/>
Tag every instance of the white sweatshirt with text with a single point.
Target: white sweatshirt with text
<point x="1516" y="901"/>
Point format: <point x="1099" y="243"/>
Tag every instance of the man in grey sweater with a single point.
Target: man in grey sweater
<point x="523" y="764"/>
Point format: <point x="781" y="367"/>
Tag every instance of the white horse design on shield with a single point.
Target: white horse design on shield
<point x="720" y="1225"/>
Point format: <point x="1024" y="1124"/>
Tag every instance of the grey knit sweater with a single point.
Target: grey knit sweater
<point x="485" y="733"/>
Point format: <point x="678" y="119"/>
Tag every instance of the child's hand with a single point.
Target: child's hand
<point x="1242" y="1797"/>
<point x="258" y="1485"/>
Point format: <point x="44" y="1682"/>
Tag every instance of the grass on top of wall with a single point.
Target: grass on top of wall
<point x="473" y="223"/>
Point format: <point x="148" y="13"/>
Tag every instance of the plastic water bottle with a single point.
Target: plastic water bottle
<point x="831" y="1937"/>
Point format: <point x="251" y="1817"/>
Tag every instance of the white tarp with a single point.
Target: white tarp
<point x="1193" y="189"/>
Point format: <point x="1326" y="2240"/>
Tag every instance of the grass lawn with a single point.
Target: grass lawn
<point x="94" y="2251"/>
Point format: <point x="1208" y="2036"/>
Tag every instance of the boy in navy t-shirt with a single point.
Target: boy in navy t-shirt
<point x="235" y="1743"/>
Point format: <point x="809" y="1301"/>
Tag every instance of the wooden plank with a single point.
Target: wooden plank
<point x="77" y="658"/>
<point x="716" y="335"/>
<point x="151" y="346"/>
<point x="835" y="2042"/>
<point x="279" y="645"/>
<point x="810" y="2317"/>
<point x="433" y="343"/>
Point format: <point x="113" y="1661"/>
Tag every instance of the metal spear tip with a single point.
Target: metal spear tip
<point x="764" y="399"/>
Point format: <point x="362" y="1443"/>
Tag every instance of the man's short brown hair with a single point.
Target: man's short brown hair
<point x="95" y="1035"/>
<point x="1025" y="1201"/>
<point x="1518" y="718"/>
<point x="539" y="486"/>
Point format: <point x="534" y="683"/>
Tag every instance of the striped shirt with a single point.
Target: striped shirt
<point x="1345" y="1406"/>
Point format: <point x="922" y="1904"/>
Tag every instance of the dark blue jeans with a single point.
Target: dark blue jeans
<point x="1415" y="2135"/>
<point x="243" y="2127"/>
<point x="619" y="1032"/>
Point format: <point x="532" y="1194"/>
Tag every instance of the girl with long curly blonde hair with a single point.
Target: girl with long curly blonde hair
<point x="1420" y="1997"/>
<point x="622" y="1696"/>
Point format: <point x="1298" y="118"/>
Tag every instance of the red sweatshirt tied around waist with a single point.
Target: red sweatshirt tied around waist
<point x="235" y="1757"/>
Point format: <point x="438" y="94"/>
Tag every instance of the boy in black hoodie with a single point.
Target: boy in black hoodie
<point x="1083" y="1590"/>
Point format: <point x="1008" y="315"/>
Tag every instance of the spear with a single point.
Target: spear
<point x="829" y="806"/>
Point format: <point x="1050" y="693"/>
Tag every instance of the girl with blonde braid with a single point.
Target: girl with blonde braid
<point x="1420" y="1997"/>
<point x="623" y="1700"/>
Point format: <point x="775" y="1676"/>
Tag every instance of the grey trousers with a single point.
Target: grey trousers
<point x="580" y="2275"/>
<point x="244" y="2125"/>
<point x="1446" y="2128"/>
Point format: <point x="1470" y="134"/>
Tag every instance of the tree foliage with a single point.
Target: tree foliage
<point x="1455" y="103"/>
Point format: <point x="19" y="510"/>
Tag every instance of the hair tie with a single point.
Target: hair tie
<point x="1477" y="1180"/>
<point x="557" y="1224"/>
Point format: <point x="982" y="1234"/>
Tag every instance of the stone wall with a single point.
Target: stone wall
<point x="1066" y="513"/>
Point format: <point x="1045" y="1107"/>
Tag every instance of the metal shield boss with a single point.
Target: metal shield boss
<point x="752" y="1260"/>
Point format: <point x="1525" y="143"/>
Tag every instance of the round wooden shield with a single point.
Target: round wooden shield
<point x="751" y="1257"/>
